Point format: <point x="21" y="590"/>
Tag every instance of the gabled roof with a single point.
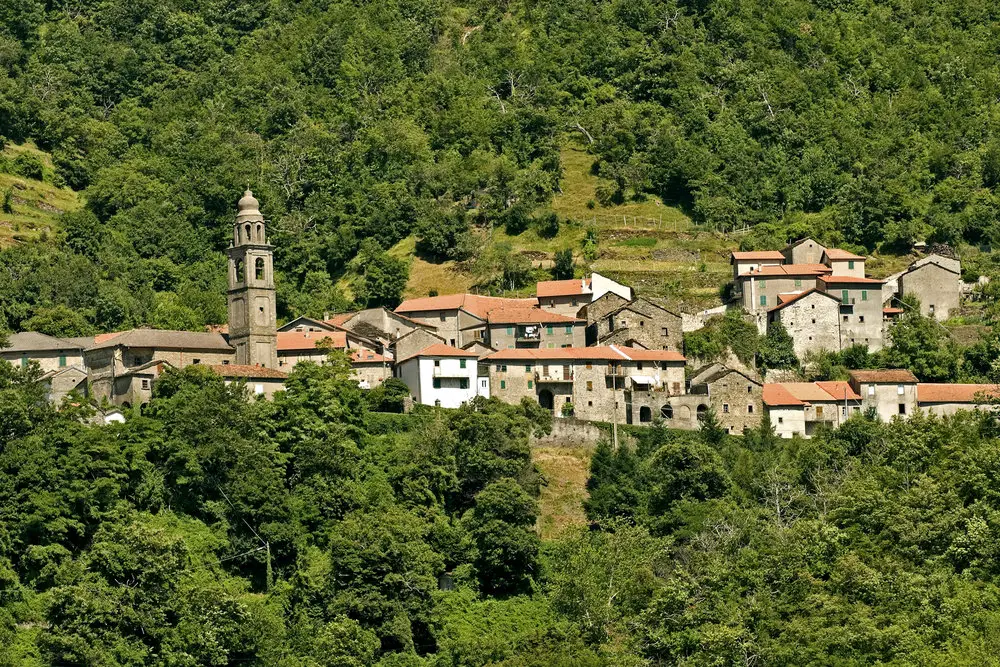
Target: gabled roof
<point x="956" y="393"/>
<point x="808" y="392"/>
<point x="839" y="390"/>
<point x="477" y="305"/>
<point x="801" y="241"/>
<point x="439" y="350"/>
<point x="635" y="304"/>
<point x="887" y="376"/>
<point x="571" y="287"/>
<point x="308" y="321"/>
<point x="368" y="357"/>
<point x="720" y="372"/>
<point x="777" y="395"/>
<point x="247" y="372"/>
<point x="845" y="280"/>
<point x="913" y="268"/>
<point x="32" y="341"/>
<point x="527" y="316"/>
<point x="758" y="255"/>
<point x="792" y="298"/>
<point x="836" y="254"/>
<point x="162" y="339"/>
<point x="597" y="353"/>
<point x="290" y="341"/>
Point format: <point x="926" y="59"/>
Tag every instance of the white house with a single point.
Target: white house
<point x="441" y="375"/>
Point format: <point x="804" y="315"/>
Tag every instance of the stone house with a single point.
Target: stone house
<point x="811" y="318"/>
<point x="759" y="289"/>
<point x="411" y="343"/>
<point x="533" y="327"/>
<point x="639" y="323"/>
<point x="61" y="382"/>
<point x="943" y="400"/>
<point x="602" y="383"/>
<point x="860" y="309"/>
<point x="458" y="318"/>
<point x="747" y="261"/>
<point x="801" y="408"/>
<point x="844" y="263"/>
<point x="568" y="296"/>
<point x="735" y="395"/>
<point x="804" y="251"/>
<point x="370" y="368"/>
<point x="259" y="380"/>
<point x="440" y="375"/>
<point x="938" y="288"/>
<point x="49" y="352"/>
<point x="314" y="346"/>
<point x="600" y="308"/>
<point x="892" y="392"/>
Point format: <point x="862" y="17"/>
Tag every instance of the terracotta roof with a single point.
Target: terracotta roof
<point x="600" y="353"/>
<point x="368" y="357"/>
<point x="792" y="298"/>
<point x="776" y="394"/>
<point x="248" y="372"/>
<point x="838" y="254"/>
<point x="892" y="311"/>
<point x="163" y="340"/>
<point x="956" y="393"/>
<point x="808" y="392"/>
<point x="839" y="389"/>
<point x="289" y="341"/>
<point x="32" y="341"/>
<point x="887" y="376"/>
<point x="439" y="350"/>
<point x="529" y="315"/>
<point x="571" y="287"/>
<point x="850" y="279"/>
<point x="789" y="270"/>
<point x="339" y="319"/>
<point x="480" y="306"/>
<point x="749" y="255"/>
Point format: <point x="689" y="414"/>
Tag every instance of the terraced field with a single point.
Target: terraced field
<point x="35" y="206"/>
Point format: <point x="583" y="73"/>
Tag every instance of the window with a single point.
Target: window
<point x="590" y="404"/>
<point x="763" y="284"/>
<point x="750" y="409"/>
<point x="590" y="385"/>
<point x="548" y="330"/>
<point x="871" y="390"/>
<point x="437" y="383"/>
<point x="437" y="363"/>
<point x="145" y="384"/>
<point x="845" y="318"/>
<point x="763" y="299"/>
<point x="642" y="323"/>
<point x="569" y="329"/>
<point x="461" y="363"/>
<point x="749" y="388"/>
<point x="225" y="362"/>
<point x="503" y="369"/>
<point x="510" y="331"/>
<point x="931" y="309"/>
<point x="900" y="389"/>
<point x="725" y="408"/>
<point x="665" y="331"/>
<point x="861" y="318"/>
<point x="498" y="368"/>
<point x="814" y="320"/>
<point x="850" y="264"/>
<point x="819" y="410"/>
<point x="24" y="362"/>
<point x="781" y="420"/>
<point x="62" y="360"/>
<point x="845" y="296"/>
<point x="902" y="408"/>
<point x="452" y="342"/>
<point x="638" y="365"/>
<point x="503" y="384"/>
<point x="259" y="268"/>
<point x="798" y="282"/>
<point x="442" y="317"/>
<point x="527" y="368"/>
<point x="463" y="383"/>
<point x="864" y="295"/>
<point x="574" y="302"/>
<point x="196" y="361"/>
<point x="530" y="384"/>
<point x="258" y="389"/>
<point x="589" y="365"/>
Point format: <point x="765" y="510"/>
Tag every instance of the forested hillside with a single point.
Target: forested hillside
<point x="869" y="124"/>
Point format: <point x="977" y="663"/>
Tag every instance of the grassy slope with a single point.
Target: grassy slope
<point x="37" y="205"/>
<point x="561" y="503"/>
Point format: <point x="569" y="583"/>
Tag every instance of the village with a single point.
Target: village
<point x="587" y="349"/>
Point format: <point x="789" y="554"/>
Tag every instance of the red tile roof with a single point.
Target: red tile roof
<point x="892" y="311"/>
<point x="788" y="299"/>
<point x="439" y="350"/>
<point x="839" y="390"/>
<point x="289" y="341"/>
<point x="956" y="393"/>
<point x="838" y="254"/>
<point x="571" y="287"/>
<point x="600" y="353"/>
<point x="777" y="395"/>
<point x="527" y="315"/>
<point x="339" y="319"/>
<point x="750" y="255"/>
<point x="248" y="372"/>
<point x="367" y="357"/>
<point x="887" y="376"/>
<point x="850" y="279"/>
<point x="480" y="306"/>
<point x="808" y="392"/>
<point x="789" y="270"/>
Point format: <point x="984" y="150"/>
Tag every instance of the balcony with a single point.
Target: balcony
<point x="615" y="371"/>
<point x="528" y="335"/>
<point x="542" y="378"/>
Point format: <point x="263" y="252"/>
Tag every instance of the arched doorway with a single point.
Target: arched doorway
<point x="645" y="415"/>
<point x="702" y="409"/>
<point x="545" y="399"/>
<point x="667" y="411"/>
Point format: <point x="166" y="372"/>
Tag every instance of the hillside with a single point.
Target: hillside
<point x="35" y="204"/>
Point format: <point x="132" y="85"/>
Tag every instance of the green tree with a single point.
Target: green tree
<point x="563" y="269"/>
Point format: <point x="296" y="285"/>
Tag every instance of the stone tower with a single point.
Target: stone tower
<point x="253" y="323"/>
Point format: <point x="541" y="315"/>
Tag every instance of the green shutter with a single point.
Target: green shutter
<point x="530" y="384"/>
<point x="850" y="264"/>
<point x="461" y="363"/>
<point x="864" y="295"/>
<point x="844" y="298"/>
<point x="527" y="368"/>
<point x="548" y="330"/>
<point x="510" y="331"/>
<point x="798" y="282"/>
<point x="503" y="384"/>
<point x="569" y="329"/>
<point x="62" y="360"/>
<point x="763" y="299"/>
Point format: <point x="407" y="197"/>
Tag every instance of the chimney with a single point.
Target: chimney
<point x="326" y="315"/>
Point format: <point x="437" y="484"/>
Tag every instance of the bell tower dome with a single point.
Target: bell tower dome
<point x="253" y="321"/>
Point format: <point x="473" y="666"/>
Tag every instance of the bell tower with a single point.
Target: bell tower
<point x="253" y="321"/>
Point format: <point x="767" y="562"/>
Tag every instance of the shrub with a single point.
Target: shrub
<point x="28" y="166"/>
<point x="567" y="410"/>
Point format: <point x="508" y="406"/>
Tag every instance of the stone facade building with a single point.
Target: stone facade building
<point x="49" y="352"/>
<point x="747" y="261"/>
<point x="253" y="320"/>
<point x="640" y="323"/>
<point x="508" y="328"/>
<point x="937" y="286"/>
<point x="860" y="309"/>
<point x="567" y="297"/>
<point x="811" y="318"/>
<point x="736" y="396"/>
<point x="804" y="251"/>
<point x="458" y="318"/>
<point x="892" y="393"/>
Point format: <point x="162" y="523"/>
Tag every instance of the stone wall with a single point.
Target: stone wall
<point x="813" y="322"/>
<point x="937" y="288"/>
<point x="568" y="432"/>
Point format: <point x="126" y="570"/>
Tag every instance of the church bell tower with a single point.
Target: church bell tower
<point x="253" y="321"/>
